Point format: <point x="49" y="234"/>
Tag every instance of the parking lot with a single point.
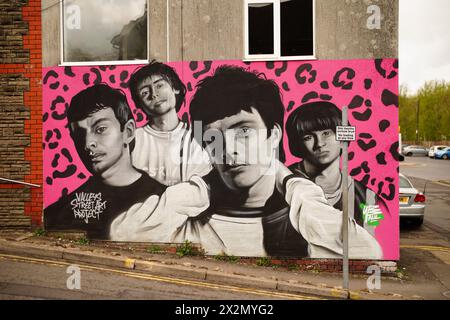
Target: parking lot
<point x="426" y="168"/>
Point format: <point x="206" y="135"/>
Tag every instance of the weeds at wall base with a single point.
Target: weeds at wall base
<point x="39" y="232"/>
<point x="186" y="249"/>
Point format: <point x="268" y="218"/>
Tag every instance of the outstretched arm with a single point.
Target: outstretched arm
<point x="321" y="224"/>
<point x="159" y="217"/>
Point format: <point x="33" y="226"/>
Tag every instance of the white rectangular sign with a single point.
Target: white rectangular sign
<point x="345" y="133"/>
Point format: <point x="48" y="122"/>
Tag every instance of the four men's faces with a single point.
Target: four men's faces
<point x="239" y="145"/>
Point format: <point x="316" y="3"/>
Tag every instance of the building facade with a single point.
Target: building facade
<point x="339" y="51"/>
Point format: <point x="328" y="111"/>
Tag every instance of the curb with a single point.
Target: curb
<point x="446" y="182"/>
<point x="333" y="293"/>
<point x="241" y="280"/>
<point x="170" y="270"/>
<point x="184" y="272"/>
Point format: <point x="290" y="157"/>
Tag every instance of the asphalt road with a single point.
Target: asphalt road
<point x="27" y="278"/>
<point x="437" y="210"/>
<point x="426" y="168"/>
<point x="418" y="244"/>
<point x="432" y="177"/>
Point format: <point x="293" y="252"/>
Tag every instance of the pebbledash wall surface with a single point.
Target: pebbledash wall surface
<point x="355" y="66"/>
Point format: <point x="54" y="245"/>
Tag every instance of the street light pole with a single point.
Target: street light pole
<point x="417" y="120"/>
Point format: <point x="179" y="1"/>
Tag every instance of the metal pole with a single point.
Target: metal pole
<point x="417" y="120"/>
<point x="345" y="204"/>
<point x="21" y="182"/>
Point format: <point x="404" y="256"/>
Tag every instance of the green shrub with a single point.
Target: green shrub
<point x="39" y="232"/>
<point x="263" y="262"/>
<point x="186" y="249"/>
<point x="83" y="241"/>
<point x="224" y="257"/>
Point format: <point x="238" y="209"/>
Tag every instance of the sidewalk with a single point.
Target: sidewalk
<point x="412" y="285"/>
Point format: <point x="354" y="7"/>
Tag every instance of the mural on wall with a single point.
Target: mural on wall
<point x="238" y="157"/>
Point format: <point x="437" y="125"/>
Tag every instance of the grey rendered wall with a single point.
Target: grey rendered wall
<point x="213" y="30"/>
<point x="342" y="33"/>
<point x="50" y="33"/>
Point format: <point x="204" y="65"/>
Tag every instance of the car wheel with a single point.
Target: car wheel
<point x="445" y="157"/>
<point x="409" y="154"/>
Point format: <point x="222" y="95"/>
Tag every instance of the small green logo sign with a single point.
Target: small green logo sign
<point x="372" y="215"/>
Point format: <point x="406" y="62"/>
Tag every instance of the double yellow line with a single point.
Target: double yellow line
<point x="143" y="276"/>
<point x="442" y="183"/>
<point x="427" y="248"/>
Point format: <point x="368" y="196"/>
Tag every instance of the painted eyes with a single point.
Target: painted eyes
<point x="144" y="93"/>
<point x="307" y="138"/>
<point x="100" y="130"/>
<point x="229" y="135"/>
<point x="326" y="134"/>
<point x="243" y="132"/>
<point x="149" y="92"/>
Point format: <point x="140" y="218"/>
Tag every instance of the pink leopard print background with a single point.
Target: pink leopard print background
<point x="368" y="87"/>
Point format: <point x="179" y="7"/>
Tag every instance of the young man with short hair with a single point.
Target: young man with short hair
<point x="164" y="146"/>
<point x="311" y="130"/>
<point x="238" y="208"/>
<point x="102" y="128"/>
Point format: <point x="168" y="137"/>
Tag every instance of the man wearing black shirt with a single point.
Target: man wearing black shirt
<point x="102" y="127"/>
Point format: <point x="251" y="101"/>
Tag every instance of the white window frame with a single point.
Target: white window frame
<point x="277" y="35"/>
<point x="98" y="63"/>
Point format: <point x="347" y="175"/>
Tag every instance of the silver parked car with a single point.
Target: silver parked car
<point x="412" y="202"/>
<point x="415" y="151"/>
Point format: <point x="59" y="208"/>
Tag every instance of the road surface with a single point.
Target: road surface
<point x="29" y="278"/>
<point x="426" y="168"/>
<point x="432" y="177"/>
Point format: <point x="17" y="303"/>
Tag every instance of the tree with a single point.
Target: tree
<point x="428" y="111"/>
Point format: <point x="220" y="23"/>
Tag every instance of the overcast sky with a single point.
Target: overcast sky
<point x="424" y="42"/>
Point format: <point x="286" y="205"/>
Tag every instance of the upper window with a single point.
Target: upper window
<point x="279" y="29"/>
<point x="104" y="31"/>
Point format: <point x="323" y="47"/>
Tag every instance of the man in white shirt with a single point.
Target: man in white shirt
<point x="165" y="148"/>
